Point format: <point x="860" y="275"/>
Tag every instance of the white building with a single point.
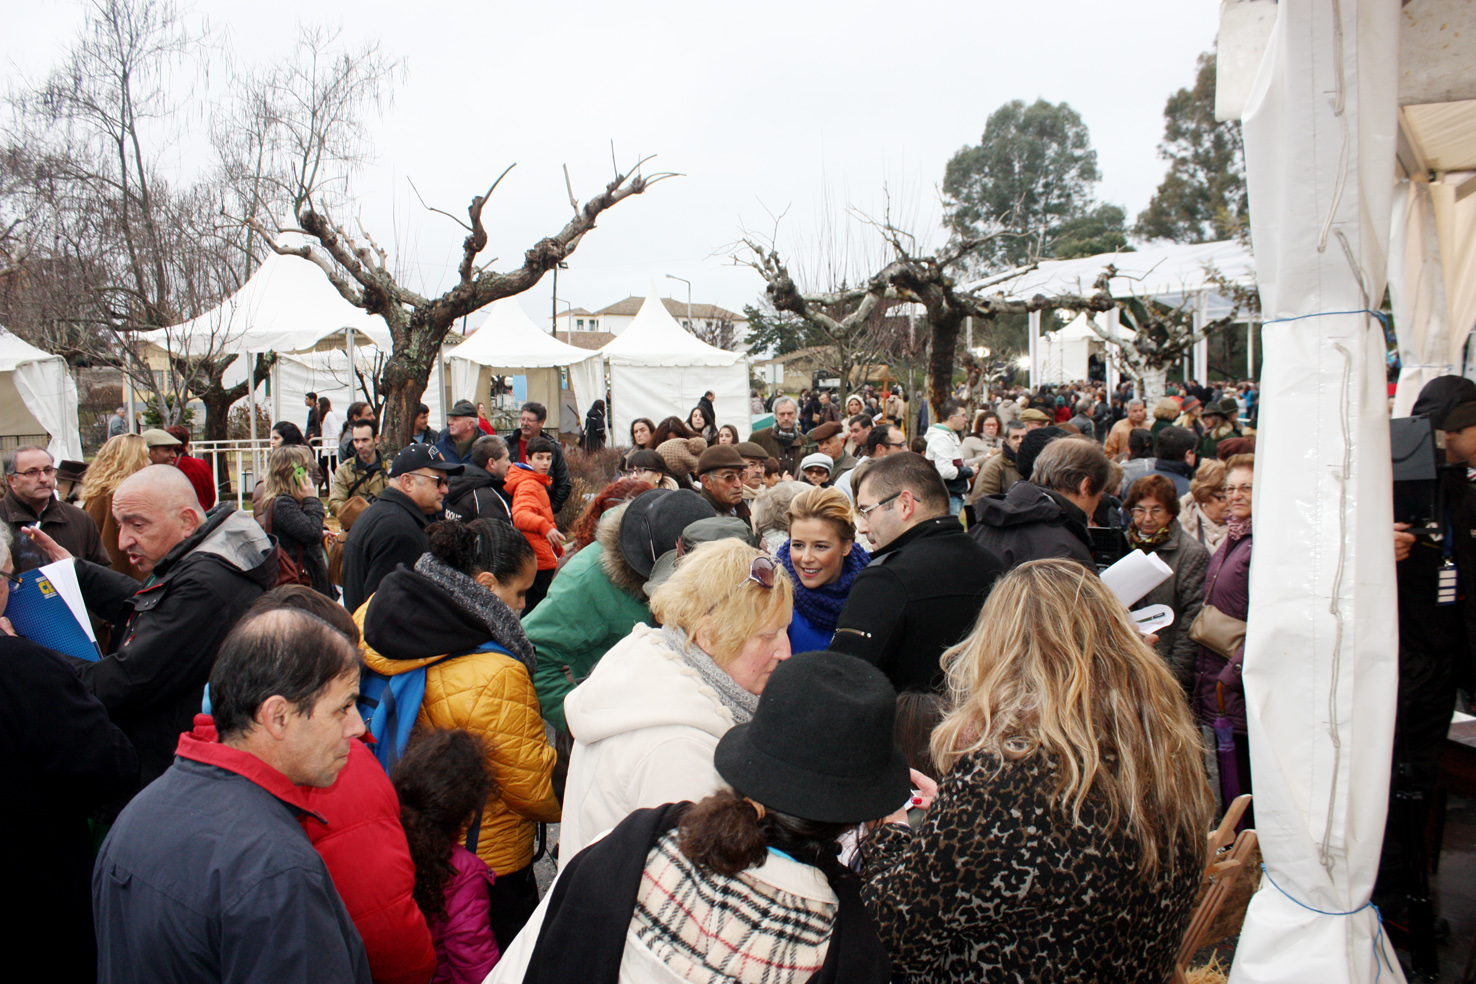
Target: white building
<point x="714" y="325"/>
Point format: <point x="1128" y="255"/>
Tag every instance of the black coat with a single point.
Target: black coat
<point x="1031" y="523"/>
<point x="389" y="533"/>
<point x="60" y="759"/>
<point x="298" y="527"/>
<point x="167" y="631"/>
<point x="921" y="594"/>
<point x="478" y="494"/>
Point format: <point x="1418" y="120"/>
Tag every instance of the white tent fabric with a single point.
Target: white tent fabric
<point x="509" y="343"/>
<point x="1168" y="272"/>
<point x="288" y="305"/>
<point x="1065" y="354"/>
<point x="1320" y="664"/>
<point x="659" y="369"/>
<point x="1432" y="284"/>
<point x="38" y="394"/>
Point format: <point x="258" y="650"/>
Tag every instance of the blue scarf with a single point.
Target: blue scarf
<point x="822" y="606"/>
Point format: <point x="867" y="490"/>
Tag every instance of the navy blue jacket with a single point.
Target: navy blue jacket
<point x="208" y="876"/>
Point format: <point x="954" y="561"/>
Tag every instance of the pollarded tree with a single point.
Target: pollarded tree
<point x="1021" y="188"/>
<point x="1202" y="197"/>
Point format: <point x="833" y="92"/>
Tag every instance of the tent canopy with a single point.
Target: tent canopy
<point x="508" y="342"/>
<point x="286" y="306"/>
<point x="38" y="395"/>
<point x="659" y="369"/>
<point x="1168" y="272"/>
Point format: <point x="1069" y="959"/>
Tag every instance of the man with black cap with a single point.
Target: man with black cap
<point x="1437" y="640"/>
<point x="461" y="431"/>
<point x="604" y="584"/>
<point x="720" y="469"/>
<point x="392" y="530"/>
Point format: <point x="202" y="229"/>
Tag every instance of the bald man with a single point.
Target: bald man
<point x="203" y="571"/>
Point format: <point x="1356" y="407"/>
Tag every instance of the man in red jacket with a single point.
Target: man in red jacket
<point x="197" y="470"/>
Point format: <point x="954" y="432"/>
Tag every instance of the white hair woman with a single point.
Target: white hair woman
<point x="1067" y="837"/>
<point x="646" y="720"/>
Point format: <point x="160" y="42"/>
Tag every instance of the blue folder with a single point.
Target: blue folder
<point x="42" y="615"/>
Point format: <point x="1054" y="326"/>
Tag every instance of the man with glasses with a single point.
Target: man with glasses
<point x="392" y="530"/>
<point x="927" y="579"/>
<point x="31" y="475"/>
<point x="881" y="440"/>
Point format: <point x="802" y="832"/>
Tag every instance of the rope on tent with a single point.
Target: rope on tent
<point x="1379" y="959"/>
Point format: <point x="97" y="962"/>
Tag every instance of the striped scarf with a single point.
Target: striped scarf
<point x="712" y="929"/>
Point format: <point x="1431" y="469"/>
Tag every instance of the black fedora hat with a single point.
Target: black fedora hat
<point x="820" y="745"/>
<point x="653" y="521"/>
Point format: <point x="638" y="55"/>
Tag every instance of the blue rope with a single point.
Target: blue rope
<point x="1379" y="958"/>
<point x="1384" y="318"/>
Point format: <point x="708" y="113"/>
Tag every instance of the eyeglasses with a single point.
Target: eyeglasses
<point x="48" y="471"/>
<point x="1152" y="511"/>
<point x="438" y="479"/>
<point x="13" y="580"/>
<point x="1242" y="489"/>
<point x="865" y="511"/>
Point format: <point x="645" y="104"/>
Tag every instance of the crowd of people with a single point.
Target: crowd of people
<point x="846" y="700"/>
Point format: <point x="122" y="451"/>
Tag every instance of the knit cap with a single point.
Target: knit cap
<point x="681" y="454"/>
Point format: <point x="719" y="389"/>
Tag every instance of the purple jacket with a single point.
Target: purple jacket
<point x="1227" y="587"/>
<point x="466" y="951"/>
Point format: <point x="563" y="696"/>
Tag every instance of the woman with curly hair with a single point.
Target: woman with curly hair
<point x="120" y="457"/>
<point x="442" y="781"/>
<point x="823" y="559"/>
<point x="1067" y="837"/>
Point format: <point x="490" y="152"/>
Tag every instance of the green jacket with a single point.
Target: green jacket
<point x="583" y="616"/>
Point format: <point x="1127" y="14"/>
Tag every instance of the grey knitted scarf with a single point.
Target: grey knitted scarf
<point x="504" y="626"/>
<point x="734" y="698"/>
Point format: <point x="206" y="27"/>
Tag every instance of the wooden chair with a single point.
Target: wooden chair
<point x="1229" y="862"/>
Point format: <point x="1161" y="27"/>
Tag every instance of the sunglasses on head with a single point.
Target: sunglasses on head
<point x="762" y="572"/>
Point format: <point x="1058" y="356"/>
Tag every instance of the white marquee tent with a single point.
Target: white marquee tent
<point x="659" y="369"/>
<point x="38" y="396"/>
<point x="1065" y="354"/>
<point x="509" y="343"/>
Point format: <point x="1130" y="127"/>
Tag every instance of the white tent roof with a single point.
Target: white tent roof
<point x="38" y="393"/>
<point x="508" y="339"/>
<point x="288" y="305"/>
<point x="1079" y="330"/>
<point x="655" y="339"/>
<point x="1162" y="271"/>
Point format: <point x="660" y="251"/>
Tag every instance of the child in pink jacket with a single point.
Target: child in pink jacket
<point x="443" y="782"/>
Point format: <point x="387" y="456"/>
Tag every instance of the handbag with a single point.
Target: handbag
<point x="289" y="568"/>
<point x="347" y="513"/>
<point x="1213" y="629"/>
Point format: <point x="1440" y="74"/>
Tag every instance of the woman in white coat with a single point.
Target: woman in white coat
<point x="646" y="720"/>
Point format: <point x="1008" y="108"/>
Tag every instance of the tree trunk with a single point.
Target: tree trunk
<point x="1155" y="385"/>
<point x="946" y="323"/>
<point x="406" y="372"/>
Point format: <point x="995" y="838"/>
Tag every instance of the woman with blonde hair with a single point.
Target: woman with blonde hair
<point x="293" y="513"/>
<point x="1202" y="510"/>
<point x="823" y="559"/>
<point x="646" y="720"/>
<point x="1066" y="840"/>
<point x="120" y="457"/>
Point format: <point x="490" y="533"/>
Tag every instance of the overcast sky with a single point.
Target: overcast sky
<point x="766" y="107"/>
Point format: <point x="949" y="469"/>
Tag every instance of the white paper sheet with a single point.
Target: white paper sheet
<point x="63" y="577"/>
<point x="1135" y="575"/>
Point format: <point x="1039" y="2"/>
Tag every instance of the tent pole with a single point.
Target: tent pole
<point x="1034" y="317"/>
<point x="441" y="380"/>
<point x="348" y="348"/>
<point x="251" y="413"/>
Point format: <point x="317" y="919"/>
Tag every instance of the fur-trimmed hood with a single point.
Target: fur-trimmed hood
<point x="621" y="574"/>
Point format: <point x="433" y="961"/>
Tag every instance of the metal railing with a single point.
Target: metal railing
<point x="245" y="462"/>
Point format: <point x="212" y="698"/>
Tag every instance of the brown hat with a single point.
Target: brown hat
<point x="825" y="431"/>
<point x="720" y="456"/>
<point x="751" y="450"/>
<point x="680" y="454"/>
<point x="1034" y="415"/>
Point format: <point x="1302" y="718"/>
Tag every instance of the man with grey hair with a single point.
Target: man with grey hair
<point x="32" y="501"/>
<point x="118" y="423"/>
<point x="203" y="572"/>
<point x="1116" y="445"/>
<point x="477" y="493"/>
<point x="1083" y="419"/>
<point x="784" y="441"/>
<point x="1047" y="514"/>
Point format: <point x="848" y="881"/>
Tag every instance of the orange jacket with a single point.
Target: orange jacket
<point x="532" y="512"/>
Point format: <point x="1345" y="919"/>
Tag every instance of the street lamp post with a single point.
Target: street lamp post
<point x="553" y="325"/>
<point x="691" y="325"/>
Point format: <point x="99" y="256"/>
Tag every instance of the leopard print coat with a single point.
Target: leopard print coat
<point x="998" y="886"/>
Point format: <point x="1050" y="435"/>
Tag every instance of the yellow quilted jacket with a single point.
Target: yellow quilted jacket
<point x="490" y="694"/>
